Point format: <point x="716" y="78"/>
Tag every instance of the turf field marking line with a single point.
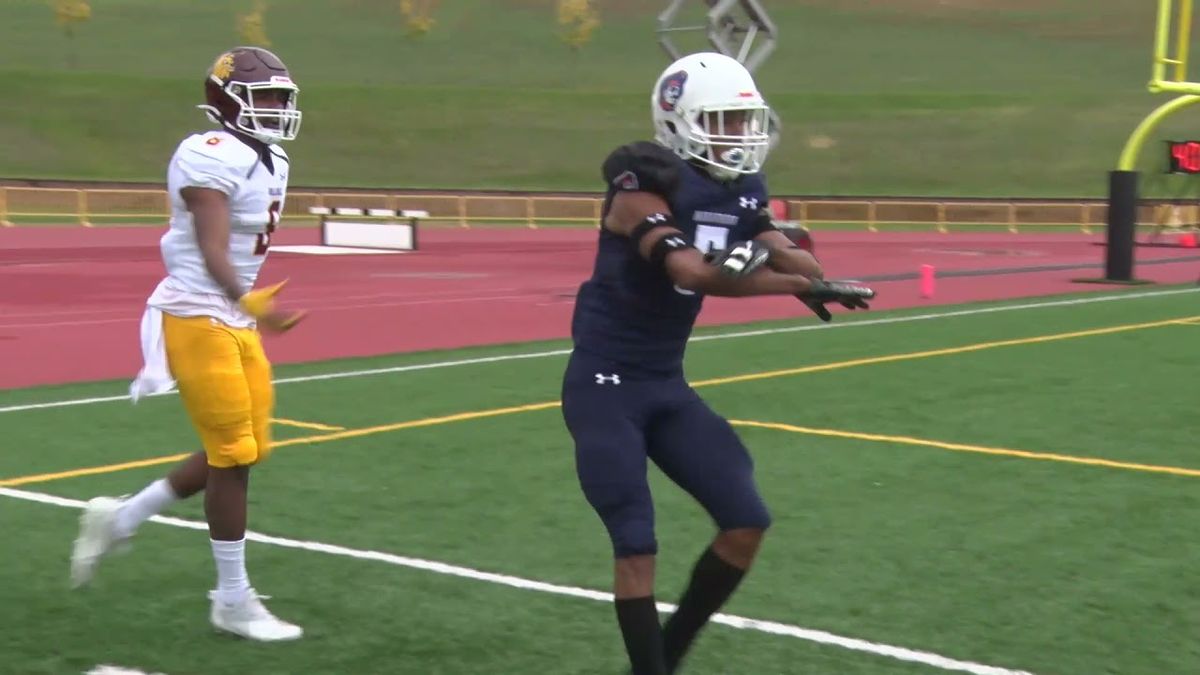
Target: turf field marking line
<point x="96" y="470"/>
<point x="698" y="338"/>
<point x="964" y="447"/>
<point x="545" y="405"/>
<point x="930" y="353"/>
<point x="319" y="438"/>
<point x="743" y="623"/>
<point x="117" y="670"/>
<point x="306" y="425"/>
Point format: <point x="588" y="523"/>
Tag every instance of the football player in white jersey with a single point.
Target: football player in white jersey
<point x="200" y="328"/>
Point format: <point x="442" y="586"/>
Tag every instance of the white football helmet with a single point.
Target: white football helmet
<point x="707" y="108"/>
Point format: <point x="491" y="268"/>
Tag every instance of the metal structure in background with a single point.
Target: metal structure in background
<point x="737" y="28"/>
<point x="1169" y="74"/>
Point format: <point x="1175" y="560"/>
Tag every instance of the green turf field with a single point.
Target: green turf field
<point x="932" y="473"/>
<point x="911" y="97"/>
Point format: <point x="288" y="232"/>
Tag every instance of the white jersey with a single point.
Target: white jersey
<point x="220" y="161"/>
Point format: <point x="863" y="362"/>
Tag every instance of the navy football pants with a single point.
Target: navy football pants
<point x="618" y="425"/>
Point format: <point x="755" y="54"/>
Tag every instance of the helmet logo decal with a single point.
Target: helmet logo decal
<point x="223" y="67"/>
<point x="671" y="90"/>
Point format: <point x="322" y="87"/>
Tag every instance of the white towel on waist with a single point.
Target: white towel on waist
<point x="155" y="375"/>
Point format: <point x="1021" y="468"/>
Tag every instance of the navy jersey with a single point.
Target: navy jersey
<point x="629" y="314"/>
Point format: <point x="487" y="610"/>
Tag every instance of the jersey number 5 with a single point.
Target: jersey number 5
<point x="264" y="238"/>
<point x="709" y="238"/>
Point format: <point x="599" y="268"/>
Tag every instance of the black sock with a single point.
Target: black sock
<point x="713" y="581"/>
<point x="643" y="635"/>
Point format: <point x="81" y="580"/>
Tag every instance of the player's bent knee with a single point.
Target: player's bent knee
<point x="242" y="451"/>
<point x="761" y="521"/>
<point x="631" y="533"/>
<point x="629" y="542"/>
<point x="739" y="547"/>
<point x="753" y="516"/>
<point x="628" y="517"/>
<point x="745" y="539"/>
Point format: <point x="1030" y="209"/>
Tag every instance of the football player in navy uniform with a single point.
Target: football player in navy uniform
<point x="685" y="216"/>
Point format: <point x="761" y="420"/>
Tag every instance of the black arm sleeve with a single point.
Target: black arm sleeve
<point x="642" y="167"/>
<point x="764" y="221"/>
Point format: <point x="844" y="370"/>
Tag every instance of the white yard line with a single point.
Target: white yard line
<point x="743" y="623"/>
<point x="929" y="316"/>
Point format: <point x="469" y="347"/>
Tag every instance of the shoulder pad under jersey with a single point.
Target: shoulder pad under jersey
<point x="643" y="167"/>
<point x="214" y="160"/>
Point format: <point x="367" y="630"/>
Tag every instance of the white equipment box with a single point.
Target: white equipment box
<point x="387" y="229"/>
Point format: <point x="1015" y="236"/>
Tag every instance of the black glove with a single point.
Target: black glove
<point x="848" y="295"/>
<point x="740" y="259"/>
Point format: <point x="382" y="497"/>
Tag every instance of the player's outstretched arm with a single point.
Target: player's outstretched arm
<point x="646" y="219"/>
<point x="210" y="220"/>
<point x="787" y="257"/>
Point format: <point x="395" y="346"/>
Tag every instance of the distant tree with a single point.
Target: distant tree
<point x="252" y="26"/>
<point x="69" y="14"/>
<point x="577" y="20"/>
<point x="418" y="16"/>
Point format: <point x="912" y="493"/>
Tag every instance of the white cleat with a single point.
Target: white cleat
<point x="250" y="619"/>
<point x="97" y="538"/>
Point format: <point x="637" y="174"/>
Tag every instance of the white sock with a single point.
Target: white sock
<point x="137" y="509"/>
<point x="232" y="580"/>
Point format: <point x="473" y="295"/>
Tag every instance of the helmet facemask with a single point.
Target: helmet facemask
<point x="729" y="140"/>
<point x="269" y="122"/>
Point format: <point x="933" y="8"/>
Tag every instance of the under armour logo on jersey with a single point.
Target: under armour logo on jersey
<point x="656" y="218"/>
<point x="601" y="378"/>
<point x="748" y="203"/>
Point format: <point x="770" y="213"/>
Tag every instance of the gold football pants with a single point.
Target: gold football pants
<point x="224" y="379"/>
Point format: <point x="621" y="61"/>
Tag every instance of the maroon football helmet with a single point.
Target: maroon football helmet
<point x="249" y="90"/>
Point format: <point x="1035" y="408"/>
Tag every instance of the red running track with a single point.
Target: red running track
<point x="71" y="297"/>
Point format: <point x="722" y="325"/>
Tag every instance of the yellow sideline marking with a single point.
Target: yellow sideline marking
<point x="306" y="425"/>
<point x="963" y="447"/>
<point x="512" y="410"/>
